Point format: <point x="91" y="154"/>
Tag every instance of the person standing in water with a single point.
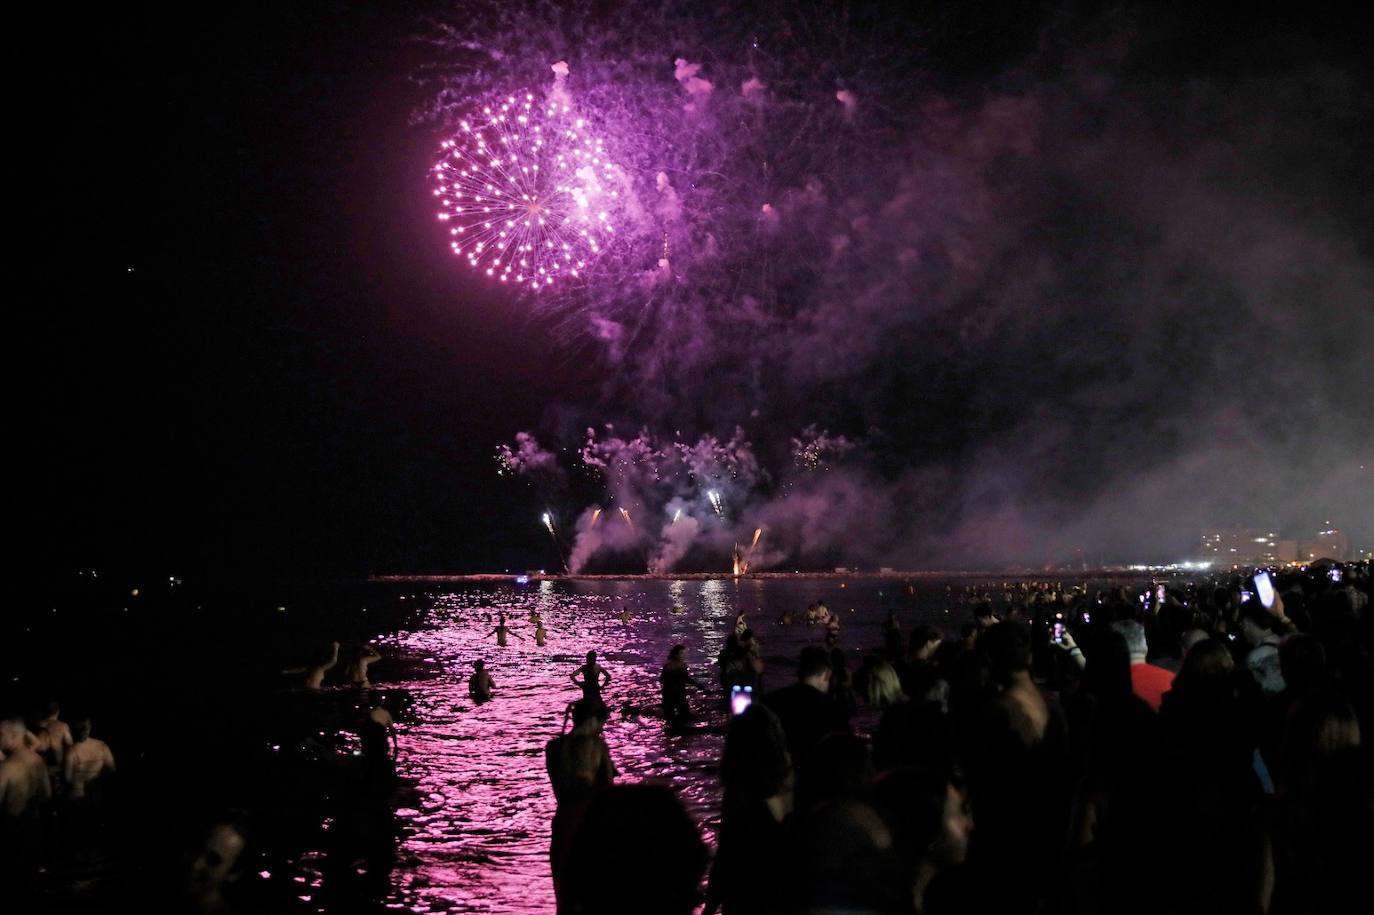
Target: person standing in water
<point x="594" y="680"/>
<point x="480" y="684"/>
<point x="832" y="630"/>
<point x="501" y="630"/>
<point x="86" y="761"/>
<point x="579" y="766"/>
<point x="357" y="671"/>
<point x="540" y="633"/>
<point x="54" y="737"/>
<point x="314" y="673"/>
<point x="674" y="680"/>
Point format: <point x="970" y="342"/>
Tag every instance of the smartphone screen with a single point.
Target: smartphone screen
<point x="1335" y="573"/>
<point x="741" y="697"/>
<point x="1059" y="633"/>
<point x="1264" y="587"/>
<point x="1159" y="595"/>
<point x="1246" y="596"/>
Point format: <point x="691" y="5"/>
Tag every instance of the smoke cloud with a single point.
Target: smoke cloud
<point x="1075" y="307"/>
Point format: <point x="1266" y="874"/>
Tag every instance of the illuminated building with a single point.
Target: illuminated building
<point x="1226" y="546"/>
<point x="1328" y="543"/>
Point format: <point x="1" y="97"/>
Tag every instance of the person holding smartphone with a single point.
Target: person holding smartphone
<point x="1258" y="627"/>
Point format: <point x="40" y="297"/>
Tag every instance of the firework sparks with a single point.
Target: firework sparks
<point x="548" y="521"/>
<point x="596" y="516"/>
<point x="758" y="532"/>
<point x="815" y="448"/>
<point x="626" y="515"/>
<point x="677" y="516"/>
<point x="716" y="503"/>
<point x="525" y="191"/>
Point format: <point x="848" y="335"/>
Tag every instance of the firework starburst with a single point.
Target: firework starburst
<point x="526" y="191"/>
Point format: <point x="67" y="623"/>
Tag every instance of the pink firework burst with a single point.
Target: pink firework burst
<point x="526" y="192"/>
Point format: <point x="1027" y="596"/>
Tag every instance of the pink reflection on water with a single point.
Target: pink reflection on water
<point x="475" y="826"/>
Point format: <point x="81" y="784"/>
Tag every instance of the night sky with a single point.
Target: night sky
<point x="253" y="352"/>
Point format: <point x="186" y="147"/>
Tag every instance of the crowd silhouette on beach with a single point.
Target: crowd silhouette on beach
<point x="1187" y="745"/>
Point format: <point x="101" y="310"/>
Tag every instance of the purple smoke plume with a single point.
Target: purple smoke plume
<point x="1085" y="304"/>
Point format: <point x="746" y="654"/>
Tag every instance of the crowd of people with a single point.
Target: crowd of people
<point x="1187" y="746"/>
<point x="64" y="810"/>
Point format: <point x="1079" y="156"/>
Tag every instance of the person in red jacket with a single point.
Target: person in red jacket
<point x="1148" y="681"/>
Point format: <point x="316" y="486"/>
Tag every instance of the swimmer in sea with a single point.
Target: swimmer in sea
<point x="540" y="634"/>
<point x="357" y="671"/>
<point x="24" y="782"/>
<point x="378" y="714"/>
<point x="314" y="673"/>
<point x="480" y="684"/>
<point x="87" y="760"/>
<point x="501" y="630"/>
<point x="832" y="630"/>
<point x="625" y="615"/>
<point x="52" y="737"/>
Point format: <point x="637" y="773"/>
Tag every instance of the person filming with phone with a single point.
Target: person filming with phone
<point x="1260" y="628"/>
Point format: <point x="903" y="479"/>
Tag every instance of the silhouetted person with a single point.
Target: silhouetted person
<point x="749" y="872"/>
<point x="216" y="868"/>
<point x="315" y="671"/>
<point x="357" y="671"/>
<point x="892" y="638"/>
<point x="1150" y="682"/>
<point x="674" y="680"/>
<point x="378" y="713"/>
<point x="579" y="766"/>
<point x="24" y="782"/>
<point x="805" y="708"/>
<point x="24" y="789"/>
<point x="920" y="675"/>
<point x="86" y="761"/>
<point x="635" y="851"/>
<point x="480" y="684"/>
<point x="927" y="815"/>
<point x="1016" y="756"/>
<point x="364" y="829"/>
<point x="594" y="679"/>
<point x="53" y="735"/>
<point x="501" y="631"/>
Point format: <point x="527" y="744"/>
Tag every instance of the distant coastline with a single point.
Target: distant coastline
<point x="1006" y="574"/>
